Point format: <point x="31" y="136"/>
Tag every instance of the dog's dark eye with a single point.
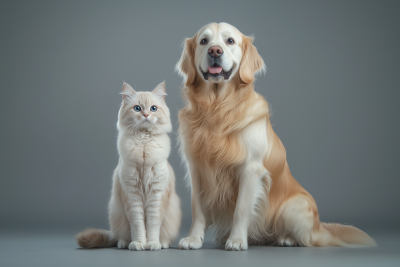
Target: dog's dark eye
<point x="137" y="108"/>
<point x="204" y="41"/>
<point x="230" y="41"/>
<point x="153" y="108"/>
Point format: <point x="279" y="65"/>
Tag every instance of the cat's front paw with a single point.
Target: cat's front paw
<point x="122" y="243"/>
<point x="190" y="242"/>
<point x="153" y="245"/>
<point x="136" y="245"/>
<point x="165" y="245"/>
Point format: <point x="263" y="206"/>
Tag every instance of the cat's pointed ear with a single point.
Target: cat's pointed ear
<point x="160" y="91"/>
<point x="127" y="92"/>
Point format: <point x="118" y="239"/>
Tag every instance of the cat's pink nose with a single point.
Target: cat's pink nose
<point x="145" y="115"/>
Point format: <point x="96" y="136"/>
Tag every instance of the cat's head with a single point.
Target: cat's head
<point x="144" y="110"/>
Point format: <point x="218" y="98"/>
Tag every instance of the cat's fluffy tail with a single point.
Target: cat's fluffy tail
<point x="95" y="238"/>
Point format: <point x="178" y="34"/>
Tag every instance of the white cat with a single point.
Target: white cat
<point x="144" y="209"/>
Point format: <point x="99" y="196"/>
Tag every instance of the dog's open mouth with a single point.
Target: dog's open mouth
<point x="215" y="71"/>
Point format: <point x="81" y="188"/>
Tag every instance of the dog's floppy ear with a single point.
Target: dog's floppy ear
<point x="185" y="66"/>
<point x="251" y="63"/>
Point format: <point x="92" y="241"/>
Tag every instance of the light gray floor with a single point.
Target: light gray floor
<point x="52" y="248"/>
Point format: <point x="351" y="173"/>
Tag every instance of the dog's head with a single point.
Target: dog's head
<point x="217" y="53"/>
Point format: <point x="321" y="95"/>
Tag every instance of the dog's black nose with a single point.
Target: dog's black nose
<point x="215" y="51"/>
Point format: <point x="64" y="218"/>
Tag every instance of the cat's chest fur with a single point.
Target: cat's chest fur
<point x="144" y="151"/>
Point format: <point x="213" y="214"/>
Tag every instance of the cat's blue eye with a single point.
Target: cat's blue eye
<point x="153" y="108"/>
<point x="137" y="108"/>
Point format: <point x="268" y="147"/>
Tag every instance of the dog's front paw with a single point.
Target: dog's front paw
<point x="136" y="245"/>
<point x="122" y="243"/>
<point x="236" y="244"/>
<point x="190" y="242"/>
<point x="153" y="245"/>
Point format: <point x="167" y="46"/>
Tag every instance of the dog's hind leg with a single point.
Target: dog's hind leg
<point x="297" y="221"/>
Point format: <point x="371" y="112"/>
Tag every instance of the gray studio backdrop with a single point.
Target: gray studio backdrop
<point x="332" y="83"/>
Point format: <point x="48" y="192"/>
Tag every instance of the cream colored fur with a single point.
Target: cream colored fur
<point x="240" y="180"/>
<point x="144" y="209"/>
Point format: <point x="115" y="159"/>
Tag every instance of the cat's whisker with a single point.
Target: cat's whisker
<point x="162" y="127"/>
<point x="134" y="128"/>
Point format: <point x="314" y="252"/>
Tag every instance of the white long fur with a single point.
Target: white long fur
<point x="144" y="210"/>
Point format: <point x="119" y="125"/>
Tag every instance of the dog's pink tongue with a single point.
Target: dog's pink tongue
<point x="214" y="70"/>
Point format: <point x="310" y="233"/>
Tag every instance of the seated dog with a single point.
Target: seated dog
<point x="240" y="179"/>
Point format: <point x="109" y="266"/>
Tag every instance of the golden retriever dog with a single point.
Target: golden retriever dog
<point x="241" y="184"/>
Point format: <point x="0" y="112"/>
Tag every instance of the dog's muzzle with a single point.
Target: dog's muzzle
<point x="225" y="74"/>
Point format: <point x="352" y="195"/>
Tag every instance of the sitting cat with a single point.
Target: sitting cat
<point x="144" y="209"/>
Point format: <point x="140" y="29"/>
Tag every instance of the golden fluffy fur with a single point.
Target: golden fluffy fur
<point x="213" y="125"/>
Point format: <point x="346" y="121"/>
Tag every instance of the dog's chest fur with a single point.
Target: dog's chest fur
<point x="215" y="154"/>
<point x="212" y="133"/>
<point x="209" y="145"/>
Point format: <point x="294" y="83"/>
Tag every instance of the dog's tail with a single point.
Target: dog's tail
<point x="95" y="238"/>
<point x="334" y="234"/>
